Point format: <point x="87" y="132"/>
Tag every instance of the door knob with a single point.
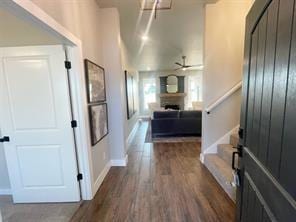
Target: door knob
<point x="4" y="139"/>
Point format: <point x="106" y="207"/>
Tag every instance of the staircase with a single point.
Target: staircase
<point x="220" y="165"/>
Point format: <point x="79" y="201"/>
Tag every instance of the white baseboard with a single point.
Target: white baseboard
<point x="101" y="177"/>
<point x="223" y="140"/>
<point x="120" y="162"/>
<point x="5" y="192"/>
<point x="202" y="158"/>
<point x="147" y="117"/>
<point x="132" y="133"/>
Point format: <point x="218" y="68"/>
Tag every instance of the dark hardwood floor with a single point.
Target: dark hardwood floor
<point x="162" y="182"/>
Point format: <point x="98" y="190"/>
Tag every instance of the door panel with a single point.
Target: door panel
<point x="288" y="152"/>
<point x="255" y="206"/>
<point x="286" y="9"/>
<point x="36" y="115"/>
<point x="258" y="84"/>
<point x="267" y="87"/>
<point x="252" y="86"/>
<point x="32" y="173"/>
<point x="274" y="197"/>
<point x="268" y="114"/>
<point x="36" y="70"/>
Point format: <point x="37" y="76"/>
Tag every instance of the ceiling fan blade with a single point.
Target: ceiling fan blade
<point x="196" y="65"/>
<point x="178" y="69"/>
<point x="179" y="64"/>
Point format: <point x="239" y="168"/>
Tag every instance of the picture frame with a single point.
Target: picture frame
<point x="95" y="82"/>
<point x="130" y="95"/>
<point x="98" y="118"/>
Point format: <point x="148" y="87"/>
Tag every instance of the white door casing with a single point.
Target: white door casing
<point x="36" y="114"/>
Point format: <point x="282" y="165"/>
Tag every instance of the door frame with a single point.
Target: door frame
<point x="251" y="22"/>
<point x="27" y="10"/>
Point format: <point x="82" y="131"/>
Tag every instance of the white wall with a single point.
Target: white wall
<point x="127" y="65"/>
<point x="223" y="65"/>
<point x="115" y="82"/>
<point x="156" y="75"/>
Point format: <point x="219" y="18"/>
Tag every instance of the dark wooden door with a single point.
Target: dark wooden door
<point x="268" y="117"/>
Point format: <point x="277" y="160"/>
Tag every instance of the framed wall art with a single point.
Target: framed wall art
<point x="95" y="82"/>
<point x="130" y="95"/>
<point x="98" y="122"/>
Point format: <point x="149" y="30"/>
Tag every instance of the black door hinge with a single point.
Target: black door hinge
<point x="68" y="65"/>
<point x="79" y="176"/>
<point x="4" y="139"/>
<point x="73" y="123"/>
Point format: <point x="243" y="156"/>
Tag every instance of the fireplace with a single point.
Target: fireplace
<point x="172" y="99"/>
<point x="175" y="107"/>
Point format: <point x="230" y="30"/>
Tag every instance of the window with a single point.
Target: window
<point x="149" y="88"/>
<point x="194" y="89"/>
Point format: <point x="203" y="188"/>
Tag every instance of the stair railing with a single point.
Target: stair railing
<point x="235" y="88"/>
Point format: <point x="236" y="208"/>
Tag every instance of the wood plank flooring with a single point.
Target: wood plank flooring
<point x="162" y="182"/>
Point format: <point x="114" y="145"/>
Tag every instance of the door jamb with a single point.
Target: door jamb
<point x="27" y="10"/>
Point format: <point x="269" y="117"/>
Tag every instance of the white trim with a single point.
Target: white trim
<point x="101" y="177"/>
<point x="5" y="192"/>
<point x="120" y="162"/>
<point x="133" y="133"/>
<point x="145" y="117"/>
<point x="224" y="97"/>
<point x="223" y="140"/>
<point x="81" y="115"/>
<point x="202" y="158"/>
<point x="27" y="10"/>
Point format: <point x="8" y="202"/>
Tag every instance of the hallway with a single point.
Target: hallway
<point x="162" y="182"/>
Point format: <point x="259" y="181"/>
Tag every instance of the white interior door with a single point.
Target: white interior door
<point x="36" y="114"/>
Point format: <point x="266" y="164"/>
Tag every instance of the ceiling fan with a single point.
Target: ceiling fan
<point x="184" y="66"/>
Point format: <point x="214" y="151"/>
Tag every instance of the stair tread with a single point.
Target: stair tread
<point x="227" y="146"/>
<point x="222" y="172"/>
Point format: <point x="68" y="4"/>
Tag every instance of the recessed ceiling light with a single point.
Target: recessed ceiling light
<point x="145" y="38"/>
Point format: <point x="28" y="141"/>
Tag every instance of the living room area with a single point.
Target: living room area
<point x="171" y="103"/>
<point x="186" y="71"/>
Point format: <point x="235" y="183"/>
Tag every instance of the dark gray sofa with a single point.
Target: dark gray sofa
<point x="176" y="123"/>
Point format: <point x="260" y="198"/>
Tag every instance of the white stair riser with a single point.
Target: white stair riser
<point x="225" y="152"/>
<point x="234" y="140"/>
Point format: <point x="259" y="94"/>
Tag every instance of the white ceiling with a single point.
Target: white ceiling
<point x="175" y="32"/>
<point x="18" y="32"/>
